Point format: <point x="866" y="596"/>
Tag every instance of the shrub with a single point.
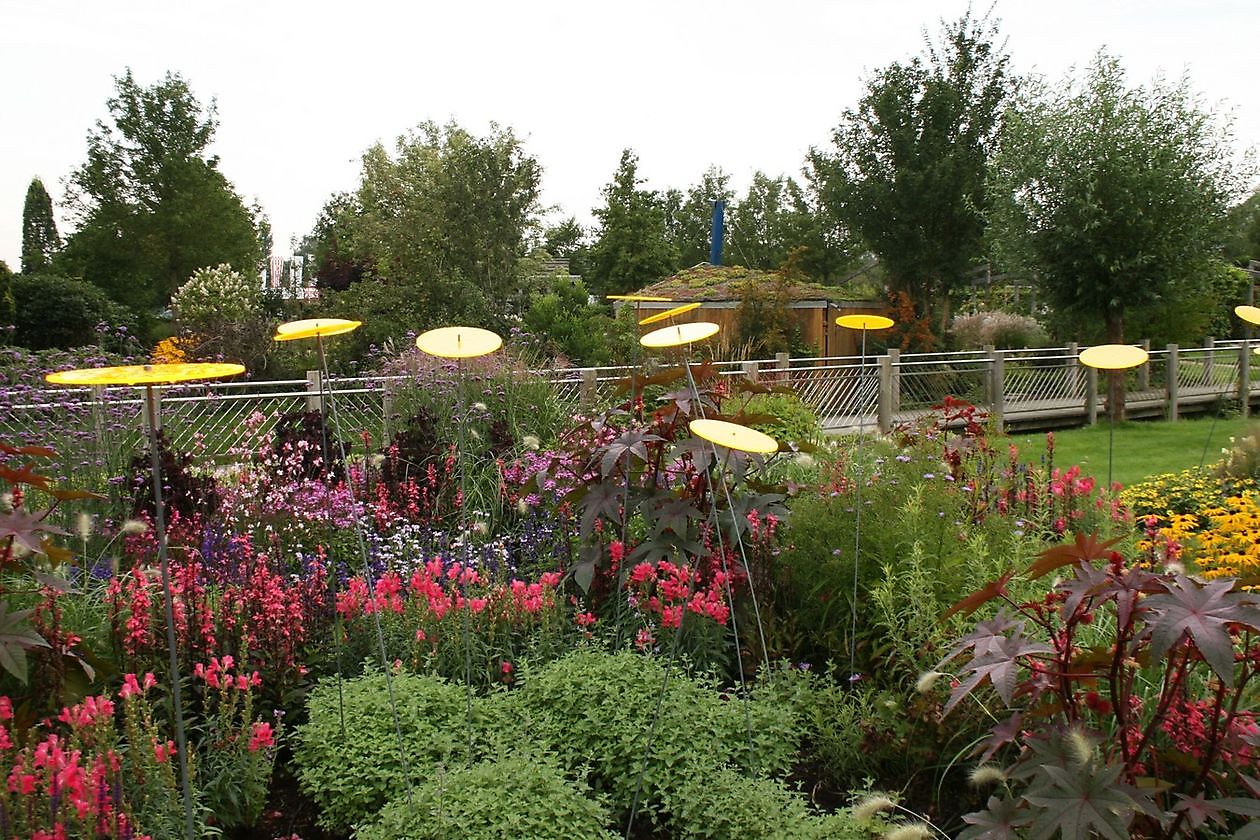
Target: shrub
<point x="507" y="798"/>
<point x="728" y="805"/>
<point x="596" y="710"/>
<point x="227" y="312"/>
<point x="54" y="311"/>
<point x="1003" y="330"/>
<point x="787" y="418"/>
<point x="352" y="772"/>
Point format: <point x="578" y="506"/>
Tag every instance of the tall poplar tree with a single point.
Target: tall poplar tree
<point x="40" y="240"/>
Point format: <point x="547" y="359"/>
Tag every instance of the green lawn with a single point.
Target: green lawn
<point x="1142" y="448"/>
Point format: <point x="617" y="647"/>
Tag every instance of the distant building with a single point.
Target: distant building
<point x="287" y="277"/>
<point x="720" y="289"/>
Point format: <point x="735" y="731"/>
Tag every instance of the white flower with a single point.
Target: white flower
<point x="531" y="442"/>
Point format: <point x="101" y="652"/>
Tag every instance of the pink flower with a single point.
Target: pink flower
<point x="261" y="736"/>
<point x="163" y="751"/>
<point x="506" y="667"/>
<point x="585" y="619"/>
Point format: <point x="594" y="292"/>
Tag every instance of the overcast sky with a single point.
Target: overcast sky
<point x="303" y="88"/>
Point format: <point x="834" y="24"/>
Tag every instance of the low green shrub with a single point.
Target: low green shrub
<point x="794" y="421"/>
<point x="494" y="800"/>
<point x="596" y="710"/>
<point x="728" y="805"/>
<point x="352" y="773"/>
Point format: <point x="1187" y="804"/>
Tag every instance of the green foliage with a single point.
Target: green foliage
<point x="774" y="227"/>
<point x="1201" y="303"/>
<point x="763" y="321"/>
<point x="502" y="799"/>
<point x="8" y="302"/>
<point x="40" y="241"/>
<point x="351" y="773"/>
<point x="631" y="248"/>
<point x="907" y="170"/>
<point x="788" y="419"/>
<point x="1243" y="242"/>
<point x="728" y="805"/>
<point x="439" y="225"/>
<point x="152" y="205"/>
<point x="689" y="217"/>
<point x="596" y="709"/>
<point x="59" y="312"/>
<point x="565" y="324"/>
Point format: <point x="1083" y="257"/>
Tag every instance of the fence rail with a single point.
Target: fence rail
<point x="1038" y="388"/>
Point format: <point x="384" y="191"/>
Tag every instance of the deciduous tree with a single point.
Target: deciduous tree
<point x="631" y="248"/>
<point x="150" y="201"/>
<point x="689" y="216"/>
<point x="906" y="173"/>
<point x="1114" y="195"/>
<point x="447" y="216"/>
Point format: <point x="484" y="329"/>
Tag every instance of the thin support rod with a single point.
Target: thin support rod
<point x="367" y="578"/>
<point x="465" y="542"/>
<point x="328" y="511"/>
<point x="726" y="572"/>
<point x="857" y="517"/>
<point x="1111" y="440"/>
<point x="159" y="522"/>
<point x="739" y="543"/>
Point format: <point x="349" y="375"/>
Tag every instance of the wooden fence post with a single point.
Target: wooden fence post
<point x="589" y="385"/>
<point x="1073" y="369"/>
<point x="1144" y="370"/>
<point x="884" y="405"/>
<point x="997" y="386"/>
<point x="387" y="411"/>
<point x="894" y="360"/>
<point x="750" y="371"/>
<point x="314" y="383"/>
<point x="1244" y="378"/>
<point x="1171" y="383"/>
<point x="1091" y="395"/>
<point x="1209" y="344"/>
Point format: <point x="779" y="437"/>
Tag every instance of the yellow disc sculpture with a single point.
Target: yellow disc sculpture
<point x="864" y="322"/>
<point x="459" y="342"/>
<point x="145" y="374"/>
<point x="314" y="328"/>
<point x="1250" y="314"/>
<point x="1113" y="356"/>
<point x="734" y="436"/>
<point x="669" y="313"/>
<point x="679" y="334"/>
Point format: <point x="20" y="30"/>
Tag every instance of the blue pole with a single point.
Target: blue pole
<point x="715" y="247"/>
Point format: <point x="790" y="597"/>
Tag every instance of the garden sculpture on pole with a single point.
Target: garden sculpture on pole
<point x="459" y="343"/>
<point x="863" y="323"/>
<point x="1114" y="358"/>
<point x="148" y="376"/>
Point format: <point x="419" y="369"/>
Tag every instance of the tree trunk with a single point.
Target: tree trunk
<point x="1115" y="378"/>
